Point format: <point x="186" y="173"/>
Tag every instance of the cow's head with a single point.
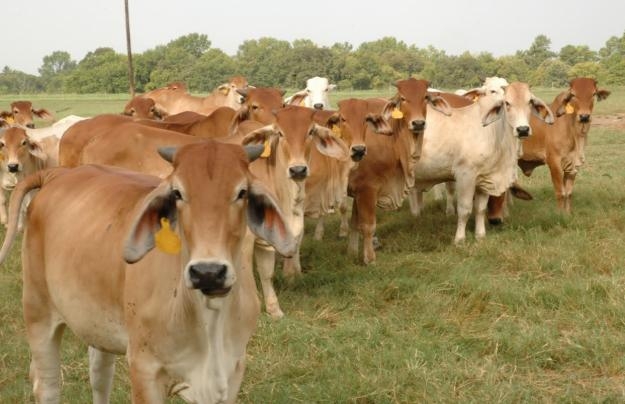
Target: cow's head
<point x="16" y="147"/>
<point x="206" y="203"/>
<point x="579" y="99"/>
<point x="259" y="104"/>
<point x="317" y="89"/>
<point x="516" y="106"/>
<point x="22" y="114"/>
<point x="410" y="103"/>
<point x="229" y="90"/>
<point x="351" y="122"/>
<point x="143" y="108"/>
<point x="290" y="137"/>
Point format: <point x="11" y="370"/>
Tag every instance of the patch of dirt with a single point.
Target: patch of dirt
<point x="614" y="121"/>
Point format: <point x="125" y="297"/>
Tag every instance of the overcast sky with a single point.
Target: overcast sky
<point x="33" y="30"/>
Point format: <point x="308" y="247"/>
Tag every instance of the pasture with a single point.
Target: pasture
<point x="533" y="313"/>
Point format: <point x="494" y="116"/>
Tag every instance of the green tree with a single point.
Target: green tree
<point x="512" y="68"/>
<point x="550" y="73"/>
<point x="262" y="61"/>
<point x="588" y="69"/>
<point x="55" y="70"/>
<point x="101" y="71"/>
<point x="210" y="70"/>
<point x="538" y="52"/>
<point x="572" y="55"/>
<point x="18" y="82"/>
<point x="613" y="60"/>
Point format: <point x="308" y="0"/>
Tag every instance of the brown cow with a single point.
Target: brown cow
<point x="258" y="104"/>
<point x="174" y="98"/>
<point x="22" y="114"/>
<point x="183" y="312"/>
<point x="561" y="145"/>
<point x="142" y="108"/>
<point x="385" y="175"/>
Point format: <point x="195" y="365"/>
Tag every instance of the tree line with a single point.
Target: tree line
<point x="278" y="63"/>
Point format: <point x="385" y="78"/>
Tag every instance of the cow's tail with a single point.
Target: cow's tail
<point x="29" y="183"/>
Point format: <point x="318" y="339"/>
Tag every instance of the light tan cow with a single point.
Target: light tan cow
<point x="182" y="312"/>
<point x="20" y="156"/>
<point x="477" y="147"/>
<point x="22" y="114"/>
<point x="289" y="140"/>
<point x="562" y="145"/>
<point x="174" y="98"/>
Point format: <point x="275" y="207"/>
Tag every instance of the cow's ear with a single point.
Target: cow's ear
<point x="474" y="94"/>
<point x="328" y="144"/>
<point x="494" y="113"/>
<point x="541" y="110"/>
<point x="36" y="149"/>
<point x="243" y="114"/>
<point x="439" y="104"/>
<point x="297" y="98"/>
<point x="43" y="113"/>
<point x="6" y="114"/>
<point x="334" y="119"/>
<point x="158" y="204"/>
<point x="259" y="136"/>
<point x="602" y="94"/>
<point x="224" y="89"/>
<point x="265" y="219"/>
<point x="4" y="123"/>
<point x="520" y="193"/>
<point x="378" y="124"/>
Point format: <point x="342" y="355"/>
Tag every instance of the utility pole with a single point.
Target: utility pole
<point x="131" y="75"/>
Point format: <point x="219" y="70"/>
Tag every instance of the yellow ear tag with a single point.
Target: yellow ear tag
<point x="267" y="150"/>
<point x="569" y="109"/>
<point x="336" y="130"/>
<point x="397" y="114"/>
<point x="10" y="120"/>
<point x="224" y="90"/>
<point x="302" y="103"/>
<point x="166" y="240"/>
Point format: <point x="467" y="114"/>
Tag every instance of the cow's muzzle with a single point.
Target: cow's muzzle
<point x="584" y="118"/>
<point x="210" y="278"/>
<point x="298" y="173"/>
<point x="417" y="126"/>
<point x="358" y="152"/>
<point x="318" y="106"/>
<point x="13" y="167"/>
<point x="523" y="131"/>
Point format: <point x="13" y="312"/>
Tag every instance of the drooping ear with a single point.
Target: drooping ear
<point x="43" y="113"/>
<point x="520" y="193"/>
<point x="392" y="104"/>
<point x="328" y="144"/>
<point x="224" y="89"/>
<point x="4" y="123"/>
<point x="260" y="135"/>
<point x="297" y="98"/>
<point x="167" y="152"/>
<point x="439" y="104"/>
<point x="265" y="219"/>
<point x="561" y="100"/>
<point x="146" y="221"/>
<point x="334" y="119"/>
<point x="541" y="110"/>
<point x="378" y="124"/>
<point x="6" y="114"/>
<point x="253" y="151"/>
<point x="494" y="113"/>
<point x="474" y="94"/>
<point x="243" y="114"/>
<point x="602" y="94"/>
<point x="36" y="149"/>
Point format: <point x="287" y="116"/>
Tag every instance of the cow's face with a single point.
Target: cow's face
<point x="260" y="104"/>
<point x="516" y="106"/>
<point x="410" y="104"/>
<point x="142" y="108"/>
<point x="290" y="138"/>
<point x="317" y="89"/>
<point x="22" y="114"/>
<point x="580" y="99"/>
<point x="352" y="121"/>
<point x="207" y="202"/>
<point x="15" y="148"/>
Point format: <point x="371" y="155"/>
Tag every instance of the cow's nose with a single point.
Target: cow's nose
<point x="30" y="125"/>
<point x="13" y="167"/>
<point x="523" y="131"/>
<point x="358" y="152"/>
<point x="210" y="278"/>
<point x="418" y="125"/>
<point x="318" y="105"/>
<point x="298" y="172"/>
<point x="584" y="118"/>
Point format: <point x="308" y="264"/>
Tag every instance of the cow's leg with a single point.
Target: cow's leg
<point x="450" y="188"/>
<point x="146" y="387"/>
<point x="344" y="229"/>
<point x="415" y="199"/>
<point x="569" y="181"/>
<point x="465" y="188"/>
<point x="265" y="257"/>
<point x="101" y="371"/>
<point x="319" y="228"/>
<point x="366" y="201"/>
<point x="557" y="178"/>
<point x="354" y="235"/>
<point x="3" y="208"/>
<point x="44" y="338"/>
<point x="481" y="200"/>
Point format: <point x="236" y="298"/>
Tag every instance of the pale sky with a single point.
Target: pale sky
<point x="32" y="30"/>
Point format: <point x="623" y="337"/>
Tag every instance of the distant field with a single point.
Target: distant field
<point x="533" y="313"/>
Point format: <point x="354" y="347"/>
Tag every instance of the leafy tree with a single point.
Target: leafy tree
<point x="588" y="69"/>
<point x="538" y="52"/>
<point x="550" y="73"/>
<point x="613" y="60"/>
<point x="512" y="68"/>
<point x="210" y="70"/>
<point x="55" y="69"/>
<point x="573" y="55"/>
<point x="101" y="71"/>
<point x="17" y="82"/>
<point x="262" y="61"/>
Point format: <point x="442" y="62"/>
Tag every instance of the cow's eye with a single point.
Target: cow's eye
<point x="242" y="194"/>
<point x="254" y="107"/>
<point x="1" y="145"/>
<point x="15" y="112"/>
<point x="177" y="195"/>
<point x="24" y="142"/>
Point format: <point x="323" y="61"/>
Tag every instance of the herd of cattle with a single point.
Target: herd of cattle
<point x="142" y="229"/>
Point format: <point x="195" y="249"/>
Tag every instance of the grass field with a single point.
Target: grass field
<point x="533" y="313"/>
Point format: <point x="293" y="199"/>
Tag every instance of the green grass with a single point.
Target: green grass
<point x="533" y="313"/>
